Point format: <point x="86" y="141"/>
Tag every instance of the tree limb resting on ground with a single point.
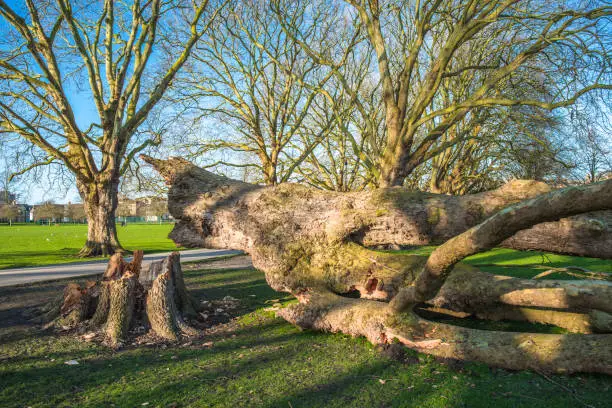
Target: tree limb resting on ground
<point x="315" y="245"/>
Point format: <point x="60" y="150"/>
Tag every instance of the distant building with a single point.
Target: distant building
<point x="6" y="197"/>
<point x="148" y="209"/>
<point x="47" y="212"/>
<point x="145" y="209"/>
<point x="50" y="212"/>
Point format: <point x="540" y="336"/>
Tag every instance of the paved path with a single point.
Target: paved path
<point x="9" y="277"/>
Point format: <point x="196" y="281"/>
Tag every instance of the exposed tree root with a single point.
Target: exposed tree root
<point x="126" y="298"/>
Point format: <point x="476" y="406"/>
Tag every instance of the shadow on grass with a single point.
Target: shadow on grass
<point x="261" y="361"/>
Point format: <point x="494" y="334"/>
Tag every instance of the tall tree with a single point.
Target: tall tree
<point x="347" y="158"/>
<point x="419" y="44"/>
<point x="499" y="51"/>
<point x="591" y="128"/>
<point x="259" y="86"/>
<point x="127" y="52"/>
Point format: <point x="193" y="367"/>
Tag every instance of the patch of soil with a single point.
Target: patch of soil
<point x="20" y="304"/>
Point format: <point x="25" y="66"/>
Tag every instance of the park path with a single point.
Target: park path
<point x="16" y="276"/>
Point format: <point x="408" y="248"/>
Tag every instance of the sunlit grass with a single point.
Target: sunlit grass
<point x="33" y="245"/>
<point x="525" y="264"/>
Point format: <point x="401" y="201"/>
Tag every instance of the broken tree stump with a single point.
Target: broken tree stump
<point x="126" y="297"/>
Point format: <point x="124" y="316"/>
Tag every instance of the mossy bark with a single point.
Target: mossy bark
<point x="316" y="246"/>
<point x="215" y="211"/>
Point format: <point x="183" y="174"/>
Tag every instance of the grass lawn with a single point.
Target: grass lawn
<point x="526" y="264"/>
<point x="258" y="360"/>
<point x="33" y="245"/>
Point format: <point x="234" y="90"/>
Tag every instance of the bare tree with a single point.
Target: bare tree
<point x="9" y="212"/>
<point x="518" y="35"/>
<point x="128" y="54"/>
<point x="75" y="212"/>
<point x="496" y="49"/>
<point x="590" y="128"/>
<point x="258" y="86"/>
<point x="347" y="158"/>
<point x="48" y="211"/>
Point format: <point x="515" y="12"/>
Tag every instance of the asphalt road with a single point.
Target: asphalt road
<point x="17" y="276"/>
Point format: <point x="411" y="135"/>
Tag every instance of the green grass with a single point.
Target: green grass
<point x="35" y="245"/>
<point x="261" y="361"/>
<point x="525" y="264"/>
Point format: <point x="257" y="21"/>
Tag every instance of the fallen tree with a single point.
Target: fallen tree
<point x="316" y="245"/>
<point x="127" y="297"/>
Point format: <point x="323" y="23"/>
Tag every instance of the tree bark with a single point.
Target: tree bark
<point x="517" y="351"/>
<point x="207" y="206"/>
<point x="100" y="202"/>
<point x="155" y="299"/>
<point x="505" y="223"/>
<point x="314" y="245"/>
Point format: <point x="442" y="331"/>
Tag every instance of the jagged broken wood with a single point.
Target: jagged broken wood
<point x="317" y="246"/>
<point x="127" y="297"/>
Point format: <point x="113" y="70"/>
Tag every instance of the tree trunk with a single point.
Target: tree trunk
<point x="125" y="298"/>
<point x="100" y="202"/>
<point x="314" y="245"/>
<point x="207" y="206"/>
<point x="394" y="159"/>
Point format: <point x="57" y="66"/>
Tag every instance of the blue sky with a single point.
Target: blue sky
<point x="34" y="190"/>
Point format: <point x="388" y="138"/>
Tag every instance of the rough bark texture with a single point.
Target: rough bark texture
<point x="314" y="244"/>
<point x="386" y="218"/>
<point x="547" y="352"/>
<point x="100" y="201"/>
<point x="126" y="297"/>
<point x="503" y="224"/>
<point x="121" y="308"/>
<point x="168" y="300"/>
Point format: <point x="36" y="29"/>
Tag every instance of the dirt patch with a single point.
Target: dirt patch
<point x="19" y="305"/>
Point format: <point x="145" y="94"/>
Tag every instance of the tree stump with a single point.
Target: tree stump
<point x="126" y="297"/>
